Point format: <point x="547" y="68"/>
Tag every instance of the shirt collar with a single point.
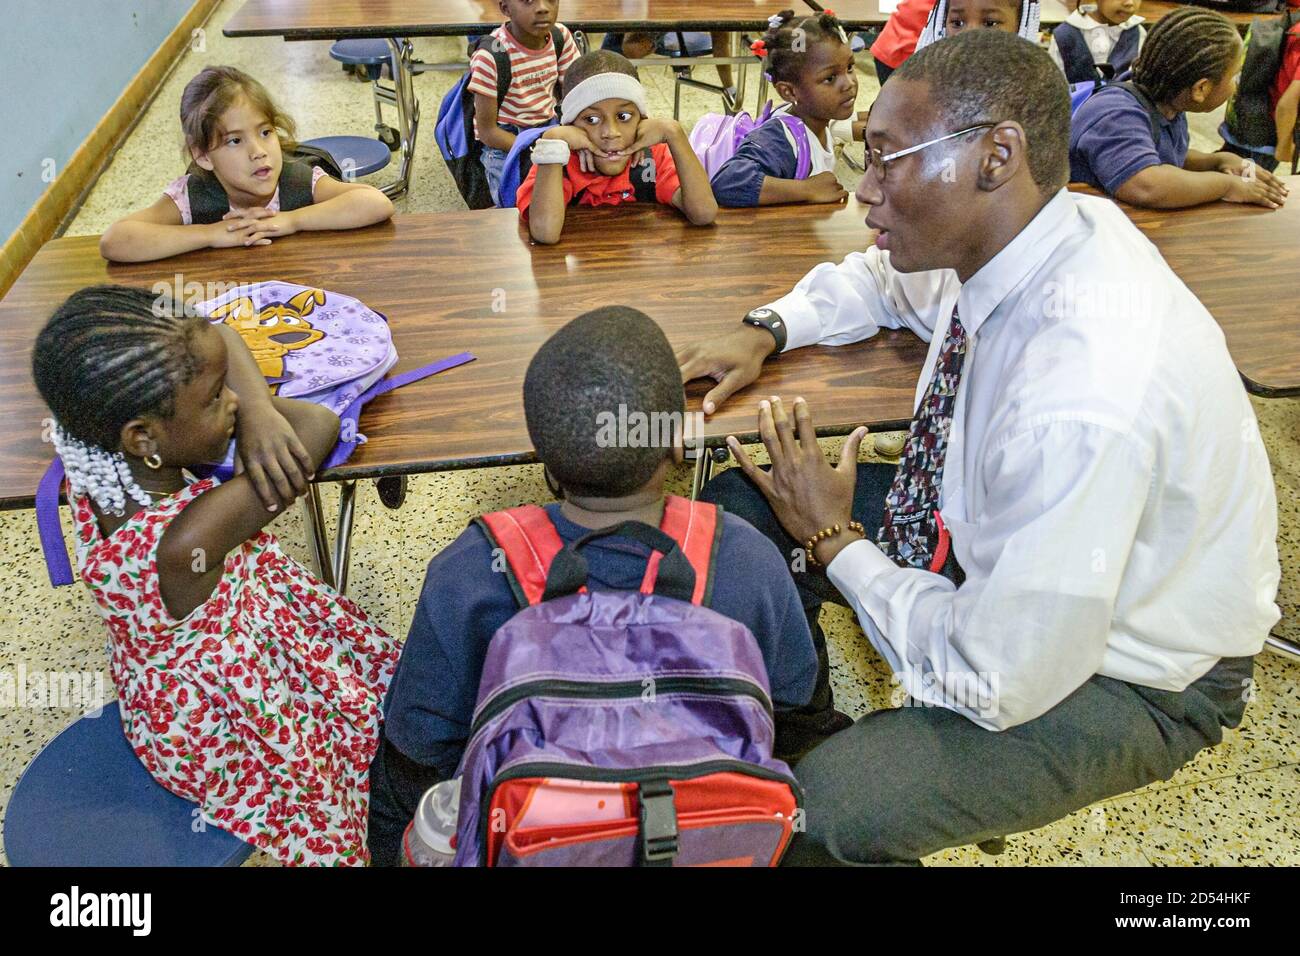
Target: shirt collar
<point x="1084" y="22"/>
<point x="508" y="38"/>
<point x="995" y="280"/>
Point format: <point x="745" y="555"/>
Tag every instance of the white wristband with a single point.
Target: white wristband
<point x="549" y="152"/>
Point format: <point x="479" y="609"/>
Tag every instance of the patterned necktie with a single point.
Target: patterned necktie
<point x="912" y="530"/>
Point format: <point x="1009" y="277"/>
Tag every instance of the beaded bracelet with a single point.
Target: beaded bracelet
<point x="830" y="532"/>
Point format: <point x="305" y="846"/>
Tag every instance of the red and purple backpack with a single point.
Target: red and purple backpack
<point x="620" y="728"/>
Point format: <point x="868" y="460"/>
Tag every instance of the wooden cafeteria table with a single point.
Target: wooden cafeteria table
<point x="472" y="281"/>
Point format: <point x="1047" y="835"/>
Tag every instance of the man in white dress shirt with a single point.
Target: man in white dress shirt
<point x="1074" y="563"/>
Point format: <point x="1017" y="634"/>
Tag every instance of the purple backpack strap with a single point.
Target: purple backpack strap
<point x="803" y="157"/>
<point x="343" y="450"/>
<point x="47" y="525"/>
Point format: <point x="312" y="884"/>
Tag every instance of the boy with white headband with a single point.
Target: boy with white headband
<point x="587" y="160"/>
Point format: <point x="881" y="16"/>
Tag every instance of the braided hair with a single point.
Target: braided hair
<point x="1183" y="47"/>
<point x="107" y="355"/>
<point x="788" y="38"/>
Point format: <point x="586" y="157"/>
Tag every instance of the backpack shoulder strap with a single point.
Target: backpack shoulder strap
<point x="558" y="43"/>
<point x="643" y="180"/>
<point x="208" y="201"/>
<point x="803" y="151"/>
<point x="529" y="541"/>
<point x="295" y="185"/>
<point x="1153" y="114"/>
<point x="696" y="526"/>
<point x="47" y="524"/>
<point x="502" y="58"/>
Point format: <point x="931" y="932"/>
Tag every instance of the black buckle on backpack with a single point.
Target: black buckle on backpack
<point x="658" y="824"/>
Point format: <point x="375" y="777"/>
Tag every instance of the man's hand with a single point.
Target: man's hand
<point x="806" y="493"/>
<point x="268" y="448"/>
<point x="733" y="361"/>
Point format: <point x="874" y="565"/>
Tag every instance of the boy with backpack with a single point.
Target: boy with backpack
<point x="613" y="362"/>
<point x="1260" y="123"/>
<point x="537" y="52"/>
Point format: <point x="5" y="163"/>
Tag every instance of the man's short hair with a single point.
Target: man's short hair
<point x="606" y="358"/>
<point x="984" y="76"/>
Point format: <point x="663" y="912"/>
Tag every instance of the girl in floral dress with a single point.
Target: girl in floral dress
<point x="246" y="685"/>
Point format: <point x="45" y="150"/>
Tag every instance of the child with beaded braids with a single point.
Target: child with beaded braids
<point x="1132" y="140"/>
<point x="810" y="64"/>
<point x="246" y="685"/>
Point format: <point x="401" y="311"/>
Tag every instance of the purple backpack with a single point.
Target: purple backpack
<point x="618" y="728"/>
<point x="311" y="345"/>
<point x="716" y="137"/>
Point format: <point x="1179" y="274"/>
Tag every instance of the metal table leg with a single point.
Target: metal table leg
<point x="317" y="540"/>
<point x="343" y="536"/>
<point x="408" y="114"/>
<point x="703" y="471"/>
<point x="1282" y="646"/>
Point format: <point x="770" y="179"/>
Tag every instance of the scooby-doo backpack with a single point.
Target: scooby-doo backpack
<point x="310" y="344"/>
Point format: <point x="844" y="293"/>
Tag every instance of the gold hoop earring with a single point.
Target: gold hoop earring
<point x="153" y="461"/>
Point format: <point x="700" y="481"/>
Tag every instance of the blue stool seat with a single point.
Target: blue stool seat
<point x="372" y="54"/>
<point x="86" y="800"/>
<point x="363" y="154"/>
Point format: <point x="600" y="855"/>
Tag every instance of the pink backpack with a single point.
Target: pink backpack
<point x="716" y="137"/>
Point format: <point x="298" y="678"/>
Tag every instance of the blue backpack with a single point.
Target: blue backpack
<point x="518" y="163"/>
<point x="1080" y="93"/>
<point x="454" y="130"/>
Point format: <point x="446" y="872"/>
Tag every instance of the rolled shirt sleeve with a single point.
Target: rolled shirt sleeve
<point x="1044" y="566"/>
<point x="838" y="304"/>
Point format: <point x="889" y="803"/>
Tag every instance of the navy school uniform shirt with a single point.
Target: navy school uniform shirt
<point x="765" y="151"/>
<point x="431" y="699"/>
<point x="1110" y="140"/>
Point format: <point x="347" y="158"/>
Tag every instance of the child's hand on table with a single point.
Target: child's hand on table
<point x="825" y="187"/>
<point x="1257" y="189"/>
<point x="260" y="225"/>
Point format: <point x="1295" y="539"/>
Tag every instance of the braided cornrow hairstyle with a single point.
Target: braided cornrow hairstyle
<point x="1183" y="47"/>
<point x="784" y="61"/>
<point x="107" y="355"/>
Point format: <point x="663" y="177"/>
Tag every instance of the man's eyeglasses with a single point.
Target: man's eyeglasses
<point x="877" y="159"/>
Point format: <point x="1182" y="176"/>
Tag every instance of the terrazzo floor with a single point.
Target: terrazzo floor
<point x="1235" y="804"/>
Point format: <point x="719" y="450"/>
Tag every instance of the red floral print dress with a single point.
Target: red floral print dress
<point x="263" y="705"/>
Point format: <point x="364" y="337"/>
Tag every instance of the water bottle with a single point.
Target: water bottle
<point x="430" y="838"/>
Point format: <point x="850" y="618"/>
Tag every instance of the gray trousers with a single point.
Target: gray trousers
<point x="904" y="783"/>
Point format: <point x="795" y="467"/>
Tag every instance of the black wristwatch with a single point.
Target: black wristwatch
<point x="767" y="319"/>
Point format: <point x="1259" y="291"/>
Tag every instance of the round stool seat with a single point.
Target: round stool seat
<point x="363" y="154"/>
<point x="86" y="800"/>
<point x="372" y="54"/>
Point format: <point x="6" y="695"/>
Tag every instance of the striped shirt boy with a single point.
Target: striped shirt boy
<point x="530" y="100"/>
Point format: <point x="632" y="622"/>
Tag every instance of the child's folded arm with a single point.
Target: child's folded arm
<point x="339" y="205"/>
<point x="486" y="124"/>
<point x="154" y="233"/>
<point x="193" y="549"/>
<point x="1165" y="186"/>
<point x="762" y="158"/>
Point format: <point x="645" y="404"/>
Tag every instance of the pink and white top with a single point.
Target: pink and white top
<point x="263" y="705"/>
<point x="178" y="191"/>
